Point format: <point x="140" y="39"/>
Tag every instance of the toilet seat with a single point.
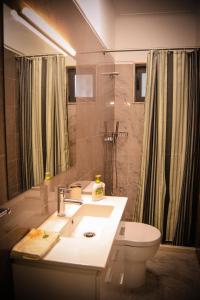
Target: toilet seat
<point x="137" y="234"/>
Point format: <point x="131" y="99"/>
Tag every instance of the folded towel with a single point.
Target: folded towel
<point x="35" y="244"/>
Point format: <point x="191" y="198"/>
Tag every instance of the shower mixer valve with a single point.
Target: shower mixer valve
<point x="111" y="137"/>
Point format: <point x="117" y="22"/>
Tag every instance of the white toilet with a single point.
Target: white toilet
<point x="138" y="242"/>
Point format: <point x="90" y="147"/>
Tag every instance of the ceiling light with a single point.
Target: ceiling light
<point x="34" y="30"/>
<point x="49" y="31"/>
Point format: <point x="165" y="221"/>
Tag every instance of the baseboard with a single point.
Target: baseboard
<point x="173" y="248"/>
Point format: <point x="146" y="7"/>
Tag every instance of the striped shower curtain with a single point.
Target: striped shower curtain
<point x="43" y="118"/>
<point x="168" y="189"/>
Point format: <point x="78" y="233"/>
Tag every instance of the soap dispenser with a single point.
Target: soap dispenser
<point x="98" y="190"/>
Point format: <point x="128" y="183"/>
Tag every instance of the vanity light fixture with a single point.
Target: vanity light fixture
<point x="47" y="30"/>
<point x="35" y="31"/>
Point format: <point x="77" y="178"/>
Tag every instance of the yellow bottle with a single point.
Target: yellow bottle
<point x="98" y="190"/>
<point x="47" y="176"/>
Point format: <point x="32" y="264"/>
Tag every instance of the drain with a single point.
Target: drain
<point x="89" y="234"/>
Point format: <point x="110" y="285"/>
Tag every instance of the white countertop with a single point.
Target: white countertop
<point x="84" y="252"/>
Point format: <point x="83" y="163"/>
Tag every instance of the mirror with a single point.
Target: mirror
<point x="20" y="42"/>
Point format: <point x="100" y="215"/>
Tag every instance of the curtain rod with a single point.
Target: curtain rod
<point x="149" y="49"/>
<point x="38" y="55"/>
<point x="19" y="53"/>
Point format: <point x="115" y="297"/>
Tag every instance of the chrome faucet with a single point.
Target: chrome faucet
<point x="62" y="200"/>
<point x="75" y="201"/>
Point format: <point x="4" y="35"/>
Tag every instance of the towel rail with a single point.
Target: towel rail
<point x="4" y="211"/>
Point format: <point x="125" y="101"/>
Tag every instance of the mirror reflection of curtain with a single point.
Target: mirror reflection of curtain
<point x="43" y="118"/>
<point x="25" y="118"/>
<point x="36" y="126"/>
<point x="169" y="183"/>
<point x="57" y="147"/>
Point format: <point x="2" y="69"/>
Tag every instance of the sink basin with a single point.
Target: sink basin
<point x="95" y="210"/>
<point x="88" y="222"/>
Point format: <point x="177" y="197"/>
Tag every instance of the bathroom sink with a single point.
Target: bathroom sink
<point x="88" y="222"/>
<point x="95" y="210"/>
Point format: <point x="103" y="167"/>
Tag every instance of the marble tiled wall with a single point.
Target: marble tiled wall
<point x="106" y="92"/>
<point x="130" y="115"/>
<point x="3" y="180"/>
<point x="92" y="114"/>
<point x="12" y="124"/>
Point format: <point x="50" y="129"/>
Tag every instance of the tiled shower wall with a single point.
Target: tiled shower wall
<point x="92" y="114"/>
<point x="128" y="150"/>
<point x="93" y="119"/>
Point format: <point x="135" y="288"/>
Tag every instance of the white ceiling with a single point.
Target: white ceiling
<point x="153" y="6"/>
<point x="23" y="41"/>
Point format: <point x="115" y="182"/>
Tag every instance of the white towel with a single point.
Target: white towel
<point x="35" y="244"/>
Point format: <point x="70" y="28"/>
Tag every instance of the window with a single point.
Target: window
<point x="84" y="86"/>
<point x="71" y="72"/>
<point x="140" y="82"/>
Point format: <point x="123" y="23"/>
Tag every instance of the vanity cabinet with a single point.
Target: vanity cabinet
<point x="36" y="280"/>
<point x="114" y="272"/>
<point x="33" y="281"/>
<point x="76" y="267"/>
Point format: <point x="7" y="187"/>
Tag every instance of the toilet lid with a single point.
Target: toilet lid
<point x="138" y="234"/>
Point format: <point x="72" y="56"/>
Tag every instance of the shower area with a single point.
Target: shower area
<point x="154" y="147"/>
<point x="123" y="141"/>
